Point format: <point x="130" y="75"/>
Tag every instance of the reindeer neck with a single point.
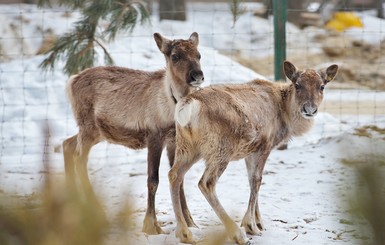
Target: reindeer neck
<point x="178" y="89"/>
<point x="286" y="97"/>
<point x="173" y="97"/>
<point x="170" y="88"/>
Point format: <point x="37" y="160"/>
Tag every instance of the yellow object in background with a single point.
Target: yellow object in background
<point x="344" y="20"/>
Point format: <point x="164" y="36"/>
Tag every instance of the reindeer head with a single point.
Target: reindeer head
<point x="309" y="86"/>
<point x="183" y="60"/>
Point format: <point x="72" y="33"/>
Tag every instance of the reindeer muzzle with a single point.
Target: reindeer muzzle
<point x="196" y="78"/>
<point x="309" y="110"/>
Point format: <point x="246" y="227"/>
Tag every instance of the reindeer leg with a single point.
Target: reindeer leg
<point x="252" y="220"/>
<point x="258" y="181"/>
<point x="155" y="146"/>
<point x="81" y="167"/>
<point x="182" y="165"/>
<point x="69" y="148"/>
<point x="81" y="159"/>
<point x="207" y="185"/>
<point x="186" y="212"/>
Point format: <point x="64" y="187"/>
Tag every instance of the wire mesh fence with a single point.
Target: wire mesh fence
<point x="31" y="97"/>
<point x="232" y="52"/>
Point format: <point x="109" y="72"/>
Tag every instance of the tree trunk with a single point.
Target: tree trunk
<point x="380" y="9"/>
<point x="294" y="10"/>
<point x="172" y="10"/>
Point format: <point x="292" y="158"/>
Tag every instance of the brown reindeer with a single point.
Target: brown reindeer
<point x="133" y="108"/>
<point x="224" y="123"/>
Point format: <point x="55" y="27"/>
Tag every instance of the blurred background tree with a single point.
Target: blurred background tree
<point x="172" y="10"/>
<point x="236" y="9"/>
<point x="78" y="46"/>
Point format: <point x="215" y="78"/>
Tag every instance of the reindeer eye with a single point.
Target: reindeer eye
<point x="297" y="86"/>
<point x="322" y="87"/>
<point x="175" y="57"/>
<point x="199" y="56"/>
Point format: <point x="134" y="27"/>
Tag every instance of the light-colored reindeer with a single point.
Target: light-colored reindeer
<point x="133" y="108"/>
<point x="223" y="123"/>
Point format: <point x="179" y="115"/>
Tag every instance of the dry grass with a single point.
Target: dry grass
<point x="367" y="200"/>
<point x="367" y="131"/>
<point x="370" y="204"/>
<point x="58" y="215"/>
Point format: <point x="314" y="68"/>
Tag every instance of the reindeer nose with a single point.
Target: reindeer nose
<point x="309" y="109"/>
<point x="196" y="76"/>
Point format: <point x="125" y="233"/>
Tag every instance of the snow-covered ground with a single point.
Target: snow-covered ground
<point x="305" y="188"/>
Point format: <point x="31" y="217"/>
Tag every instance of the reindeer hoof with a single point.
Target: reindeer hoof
<point x="253" y="230"/>
<point x="184" y="235"/>
<point x="241" y="238"/>
<point x="252" y="227"/>
<point x="260" y="226"/>
<point x="152" y="227"/>
<point x="259" y="223"/>
<point x="237" y="234"/>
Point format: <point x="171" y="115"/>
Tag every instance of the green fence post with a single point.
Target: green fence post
<point x="279" y="12"/>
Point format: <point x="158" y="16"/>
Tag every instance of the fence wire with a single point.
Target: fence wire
<point x="30" y="97"/>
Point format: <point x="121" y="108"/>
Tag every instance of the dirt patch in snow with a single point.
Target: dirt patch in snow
<point x="361" y="64"/>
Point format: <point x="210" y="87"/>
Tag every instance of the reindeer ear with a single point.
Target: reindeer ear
<point x="194" y="38"/>
<point x="330" y="73"/>
<point x="290" y="70"/>
<point x="163" y="43"/>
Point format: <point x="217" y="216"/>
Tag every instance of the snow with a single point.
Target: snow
<point x="305" y="188"/>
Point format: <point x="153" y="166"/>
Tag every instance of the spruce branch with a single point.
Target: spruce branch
<point x="124" y="16"/>
<point x="73" y="4"/>
<point x="107" y="57"/>
<point x="77" y="47"/>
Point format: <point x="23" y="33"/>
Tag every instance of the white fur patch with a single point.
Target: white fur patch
<point x="185" y="113"/>
<point x="68" y="87"/>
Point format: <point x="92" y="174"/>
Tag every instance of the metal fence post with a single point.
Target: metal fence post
<point x="279" y="12"/>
